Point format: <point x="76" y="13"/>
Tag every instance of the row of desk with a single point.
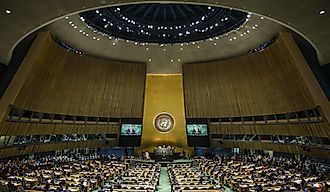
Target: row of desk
<point x="185" y="177"/>
<point x="73" y="176"/>
<point x="248" y="176"/>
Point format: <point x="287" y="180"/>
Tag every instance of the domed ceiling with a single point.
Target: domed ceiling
<point x="163" y="35"/>
<point x="164" y="23"/>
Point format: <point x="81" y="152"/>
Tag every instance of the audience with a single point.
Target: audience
<point x="64" y="173"/>
<point x="187" y="177"/>
<point x="264" y="173"/>
<point x="210" y="173"/>
<point x="139" y="177"/>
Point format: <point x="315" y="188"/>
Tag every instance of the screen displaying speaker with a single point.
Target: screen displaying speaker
<point x="131" y="130"/>
<point x="197" y="130"/>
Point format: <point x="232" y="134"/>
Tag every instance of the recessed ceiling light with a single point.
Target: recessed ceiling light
<point x="171" y="60"/>
<point x="149" y="60"/>
<point x="322" y="12"/>
<point x="8" y="11"/>
<point x="179" y="60"/>
<point x="262" y="17"/>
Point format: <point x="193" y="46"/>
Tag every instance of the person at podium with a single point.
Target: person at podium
<point x="130" y="130"/>
<point x="197" y="130"/>
<point x="169" y="150"/>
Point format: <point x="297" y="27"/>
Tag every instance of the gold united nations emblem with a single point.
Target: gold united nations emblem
<point x="164" y="122"/>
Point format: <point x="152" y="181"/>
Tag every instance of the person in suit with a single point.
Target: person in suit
<point x="197" y="130"/>
<point x="130" y="130"/>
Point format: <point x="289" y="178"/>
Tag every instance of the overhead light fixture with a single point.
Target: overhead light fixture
<point x="8" y="11"/>
<point x="322" y="12"/>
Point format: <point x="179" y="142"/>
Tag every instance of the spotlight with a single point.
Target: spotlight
<point x="322" y="12"/>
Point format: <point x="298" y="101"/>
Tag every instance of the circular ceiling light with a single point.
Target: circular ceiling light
<point x="8" y="11"/>
<point x="322" y="12"/>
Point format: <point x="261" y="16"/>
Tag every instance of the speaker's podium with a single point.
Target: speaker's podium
<point x="164" y="154"/>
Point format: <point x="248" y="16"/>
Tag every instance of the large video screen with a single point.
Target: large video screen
<point x="131" y="129"/>
<point x="199" y="130"/>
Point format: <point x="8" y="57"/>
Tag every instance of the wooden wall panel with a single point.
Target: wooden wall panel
<point x="14" y="151"/>
<point x="308" y="129"/>
<point x="266" y="82"/>
<point x="311" y="82"/>
<point x="66" y="83"/>
<point x="294" y="149"/>
<point x="36" y="53"/>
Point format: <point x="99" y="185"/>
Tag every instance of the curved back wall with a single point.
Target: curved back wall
<point x="265" y="82"/>
<point x="67" y="83"/>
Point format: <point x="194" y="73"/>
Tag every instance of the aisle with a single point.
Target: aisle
<point x="164" y="184"/>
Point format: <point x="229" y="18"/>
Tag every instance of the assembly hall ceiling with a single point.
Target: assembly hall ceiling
<point x="307" y="18"/>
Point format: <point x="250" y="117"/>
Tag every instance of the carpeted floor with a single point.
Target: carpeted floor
<point x="164" y="184"/>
